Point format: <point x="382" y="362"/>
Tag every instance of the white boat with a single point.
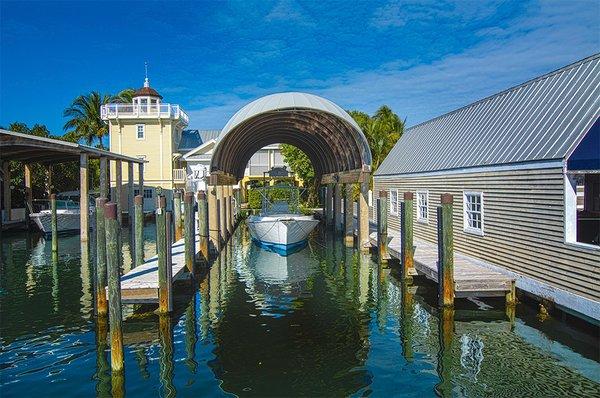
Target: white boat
<point x="67" y="217"/>
<point x="281" y="232"/>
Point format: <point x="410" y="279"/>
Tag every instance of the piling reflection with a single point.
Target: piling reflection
<point x="190" y="335"/>
<point x="446" y="337"/>
<point x="102" y="374"/>
<point x="165" y="336"/>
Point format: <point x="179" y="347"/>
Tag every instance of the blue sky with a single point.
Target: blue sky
<point x="422" y="58"/>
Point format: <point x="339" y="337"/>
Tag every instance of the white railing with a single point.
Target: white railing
<point x="179" y="175"/>
<point x="113" y="111"/>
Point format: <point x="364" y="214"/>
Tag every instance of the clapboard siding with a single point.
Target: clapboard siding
<point x="523" y="224"/>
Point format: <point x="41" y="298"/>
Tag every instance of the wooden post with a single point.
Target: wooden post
<point x="189" y="233"/>
<point x="113" y="263"/>
<point x="349" y="216"/>
<point x="54" y="223"/>
<point x="131" y="209"/>
<point x="511" y="295"/>
<point x="164" y="288"/>
<point x="221" y="206"/>
<point x="328" y="206"/>
<point x="406" y="235"/>
<point x="101" y="272"/>
<point x="119" y="190"/>
<point x="445" y="252"/>
<point x="7" y="191"/>
<point x="229" y="209"/>
<point x="382" y="225"/>
<point x="139" y="230"/>
<point x="363" y="216"/>
<point x="203" y="224"/>
<point x="446" y="336"/>
<point x="104" y="185"/>
<point x="28" y="192"/>
<point x="213" y="218"/>
<point x="84" y="206"/>
<point x="337" y="206"/>
<point x="49" y="180"/>
<point x="177" y="214"/>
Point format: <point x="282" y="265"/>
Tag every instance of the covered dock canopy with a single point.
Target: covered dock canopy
<point x="28" y="149"/>
<point x="328" y="135"/>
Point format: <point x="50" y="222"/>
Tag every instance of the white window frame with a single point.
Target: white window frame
<point x="424" y="220"/>
<point x="570" y="216"/>
<point x="397" y="210"/>
<point x="466" y="227"/>
<point x="137" y="132"/>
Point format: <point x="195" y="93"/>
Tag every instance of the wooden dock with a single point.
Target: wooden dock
<point x="140" y="285"/>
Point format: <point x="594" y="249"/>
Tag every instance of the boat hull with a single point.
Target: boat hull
<point x="281" y="233"/>
<point x="67" y="222"/>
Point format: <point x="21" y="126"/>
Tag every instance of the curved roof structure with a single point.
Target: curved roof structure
<point x="327" y="134"/>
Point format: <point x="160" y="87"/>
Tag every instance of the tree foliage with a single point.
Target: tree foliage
<point x="300" y="164"/>
<point x="84" y="120"/>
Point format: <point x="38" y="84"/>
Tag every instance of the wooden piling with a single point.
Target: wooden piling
<point x="28" y="191"/>
<point x="337" y="206"/>
<point x="101" y="271"/>
<point x="407" y="247"/>
<point x="139" y="229"/>
<point x="329" y="206"/>
<point x="203" y="230"/>
<point x="189" y="233"/>
<point x="164" y="284"/>
<point x="84" y="207"/>
<point x="363" y="217"/>
<point x="445" y="252"/>
<point x="229" y="210"/>
<point x="349" y="216"/>
<point x="177" y="214"/>
<point x="221" y="209"/>
<point x="114" y="286"/>
<point x="104" y="185"/>
<point x="213" y="219"/>
<point x="511" y="295"/>
<point x="54" y="223"/>
<point x="382" y="226"/>
<point x="131" y="207"/>
<point x="445" y="356"/>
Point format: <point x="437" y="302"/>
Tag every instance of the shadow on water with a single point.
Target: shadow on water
<point x="324" y="321"/>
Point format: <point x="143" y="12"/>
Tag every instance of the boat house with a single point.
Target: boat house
<point x="524" y="169"/>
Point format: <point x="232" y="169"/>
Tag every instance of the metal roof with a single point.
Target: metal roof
<point x="191" y="139"/>
<point x="542" y="119"/>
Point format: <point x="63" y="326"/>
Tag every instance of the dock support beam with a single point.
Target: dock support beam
<point x="6" y="190"/>
<point x="139" y="229"/>
<point x="130" y="208"/>
<point x="113" y="263"/>
<point x="189" y="231"/>
<point x="221" y="208"/>
<point x="203" y="224"/>
<point x="164" y="283"/>
<point x="28" y="192"/>
<point x="84" y="206"/>
<point x="101" y="272"/>
<point x="119" y="190"/>
<point x="328" y="206"/>
<point x="349" y="216"/>
<point x="213" y="219"/>
<point x="445" y="252"/>
<point x="226" y="209"/>
<point x="337" y="206"/>
<point x="177" y="214"/>
<point x="406" y="234"/>
<point x="54" y="223"/>
<point x="104" y="185"/>
<point x="363" y="216"/>
<point x="230" y="221"/>
<point x="382" y="225"/>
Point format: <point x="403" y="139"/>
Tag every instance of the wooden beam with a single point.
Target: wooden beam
<point x="7" y="191"/>
<point x="118" y="189"/>
<point x="345" y="177"/>
<point x="221" y="178"/>
<point x="104" y="185"/>
<point x="213" y="219"/>
<point x="349" y="216"/>
<point x="28" y="191"/>
<point x="363" y="217"/>
<point x="84" y="197"/>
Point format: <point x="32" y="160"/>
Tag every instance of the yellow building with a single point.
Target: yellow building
<point x="148" y="129"/>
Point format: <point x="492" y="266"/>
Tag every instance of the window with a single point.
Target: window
<point x="582" y="209"/>
<point x="473" y="212"/>
<point x="141" y="131"/>
<point x="394" y="202"/>
<point x="147" y="193"/>
<point x="422" y="203"/>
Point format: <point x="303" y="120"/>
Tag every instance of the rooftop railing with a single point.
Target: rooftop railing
<point x="113" y="111"/>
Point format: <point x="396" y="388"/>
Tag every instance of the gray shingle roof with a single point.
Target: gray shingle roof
<point x="191" y="139"/>
<point x="542" y="119"/>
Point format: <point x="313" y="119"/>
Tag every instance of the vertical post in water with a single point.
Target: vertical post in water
<point x="139" y="229"/>
<point x="114" y="286"/>
<point x="406" y="234"/>
<point x="54" y="223"/>
<point x="189" y="233"/>
<point x="213" y="219"/>
<point x="229" y="210"/>
<point x="161" y="247"/>
<point x="349" y="216"/>
<point x="445" y="252"/>
<point x="221" y="207"/>
<point x="130" y="208"/>
<point x="203" y="224"/>
<point x="382" y="224"/>
<point x="28" y="191"/>
<point x="328" y="206"/>
<point x="444" y="367"/>
<point x="101" y="272"/>
<point x="84" y="208"/>
<point x="103" y="177"/>
<point x="177" y="214"/>
<point x="363" y="216"/>
<point x="337" y="205"/>
<point x="119" y="190"/>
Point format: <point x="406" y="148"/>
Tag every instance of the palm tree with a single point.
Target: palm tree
<point x="85" y="121"/>
<point x="125" y="96"/>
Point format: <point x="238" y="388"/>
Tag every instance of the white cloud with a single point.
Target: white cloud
<point x="289" y="11"/>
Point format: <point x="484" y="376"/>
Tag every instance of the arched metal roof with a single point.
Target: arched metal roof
<point x="325" y="132"/>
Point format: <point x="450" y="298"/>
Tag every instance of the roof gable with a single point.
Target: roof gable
<point x="542" y="119"/>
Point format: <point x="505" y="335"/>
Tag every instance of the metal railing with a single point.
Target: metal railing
<point x="110" y="111"/>
<point x="179" y="175"/>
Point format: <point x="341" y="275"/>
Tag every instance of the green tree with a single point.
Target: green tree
<point x="125" y="96"/>
<point x="84" y="119"/>
<point x="300" y="164"/>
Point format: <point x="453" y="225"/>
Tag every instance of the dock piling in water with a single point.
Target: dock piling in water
<point x="54" y="223"/>
<point x="382" y="224"/>
<point x="101" y="272"/>
<point x="406" y="233"/>
<point x="445" y="252"/>
<point x="349" y="216"/>
<point x="203" y="224"/>
<point x="139" y="230"/>
<point x="189" y="233"/>
<point x="213" y="218"/>
<point x="114" y="286"/>
<point x="177" y="214"/>
<point x="164" y="284"/>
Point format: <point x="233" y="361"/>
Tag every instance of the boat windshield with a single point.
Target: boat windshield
<point x="67" y="205"/>
<point x="280" y="199"/>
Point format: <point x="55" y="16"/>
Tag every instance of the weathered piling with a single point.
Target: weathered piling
<point x="114" y="286"/>
<point x="511" y="295"/>
<point x="349" y="216"/>
<point x="189" y="233"/>
<point x="406" y="233"/>
<point x="445" y="357"/>
<point x="363" y="217"/>
<point x="177" y="214"/>
<point x="221" y="209"/>
<point x="164" y="285"/>
<point x="101" y="272"/>
<point x="203" y="231"/>
<point x="337" y="209"/>
<point x="54" y="223"/>
<point x="328" y="210"/>
<point x="382" y="226"/>
<point x="445" y="252"/>
<point x="213" y="219"/>
<point x="139" y="229"/>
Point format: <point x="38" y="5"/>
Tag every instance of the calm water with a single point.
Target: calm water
<point x="325" y="321"/>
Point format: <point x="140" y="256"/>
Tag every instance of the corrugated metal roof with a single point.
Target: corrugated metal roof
<point x="542" y="119"/>
<point x="191" y="139"/>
